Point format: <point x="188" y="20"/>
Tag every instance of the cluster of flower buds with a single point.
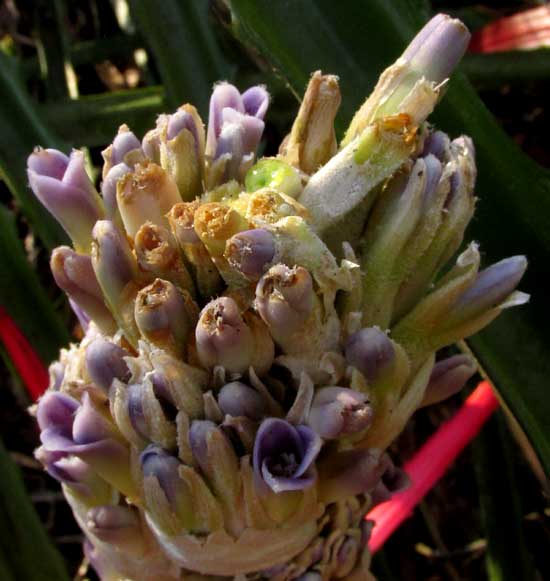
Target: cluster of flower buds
<point x="257" y="332"/>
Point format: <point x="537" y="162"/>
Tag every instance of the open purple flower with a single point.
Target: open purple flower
<point x="284" y="454"/>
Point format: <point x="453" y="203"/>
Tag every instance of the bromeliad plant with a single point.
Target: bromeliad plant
<point x="258" y="332"/>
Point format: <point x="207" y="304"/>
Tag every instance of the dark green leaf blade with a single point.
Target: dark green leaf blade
<point x="27" y="553"/>
<point x="22" y="295"/>
<point x="22" y="130"/>
<point x="357" y="41"/>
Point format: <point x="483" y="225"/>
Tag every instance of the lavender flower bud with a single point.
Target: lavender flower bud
<point x="119" y="526"/>
<point x="238" y="399"/>
<point x="349" y="473"/>
<point x="105" y="362"/>
<point x="64" y="188"/>
<point x="438" y="47"/>
<point x="284" y="299"/>
<point x="158" y="465"/>
<point x="448" y="377"/>
<point x="370" y="351"/>
<point x="146" y="195"/>
<point x="83" y="319"/>
<point x="283" y="455"/>
<point x="223" y="338"/>
<point x="339" y="411"/>
<point x="490" y="288"/>
<point x="109" y="188"/>
<point x="250" y="252"/>
<point x="74" y="274"/>
<point x="116" y="269"/>
<point x="158" y="254"/>
<point x="234" y="131"/>
<point x="135" y="410"/>
<point x="181" y="150"/>
<point x="56" y="372"/>
<point x="125" y="149"/>
<point x="437" y="143"/>
<point x="165" y="316"/>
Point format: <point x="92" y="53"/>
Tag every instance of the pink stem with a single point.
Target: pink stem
<point x="429" y="464"/>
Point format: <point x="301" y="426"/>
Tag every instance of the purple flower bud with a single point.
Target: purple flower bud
<point x="250" y="252"/>
<point x="434" y="170"/>
<point x="66" y="192"/>
<point x="349" y="473"/>
<point x="284" y="454"/>
<point x="284" y="298"/>
<point x="223" y="338"/>
<point x="74" y="274"/>
<point x="165" y="316"/>
<point x="393" y="480"/>
<point x="89" y="425"/>
<point x="109" y="187"/>
<point x="83" y="319"/>
<point x="105" y="362"/>
<point x="491" y="287"/>
<point x="157" y="462"/>
<point x="438" y="47"/>
<point x="179" y="121"/>
<point x="124" y="143"/>
<point x="135" y="410"/>
<point x="371" y="351"/>
<point x="448" y="377"/>
<point x="55" y="414"/>
<point x="437" y="143"/>
<point x="114" y="264"/>
<point x="56" y="372"/>
<point x="310" y="576"/>
<point x="117" y="525"/>
<point x="339" y="411"/>
<point x="238" y="399"/>
<point x="235" y="124"/>
<point x="198" y="434"/>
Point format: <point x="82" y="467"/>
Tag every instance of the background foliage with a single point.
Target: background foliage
<point x="72" y="72"/>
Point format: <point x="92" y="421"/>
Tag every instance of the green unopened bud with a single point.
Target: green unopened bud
<point x="312" y="140"/>
<point x="146" y="195"/>
<point x="165" y="315"/>
<point x="276" y="174"/>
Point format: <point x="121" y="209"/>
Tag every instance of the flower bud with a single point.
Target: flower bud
<point x="312" y="140"/>
<point x="118" y="526"/>
<point x="218" y="462"/>
<point x="283" y="455"/>
<point x="370" y="351"/>
<point x="223" y="338"/>
<point x="64" y="188"/>
<point x="116" y="269"/>
<point x="238" y="399"/>
<point x="250" y="252"/>
<point x="146" y="195"/>
<point x="448" y="377"/>
<point x="135" y="410"/>
<point x="437" y="143"/>
<point x="349" y="473"/>
<point x="235" y="128"/>
<point x="83" y="319"/>
<point x="437" y="49"/>
<point x="105" y="362"/>
<point x="182" y="218"/>
<point x="125" y="149"/>
<point x="339" y="411"/>
<point x="181" y="150"/>
<point x="74" y="274"/>
<point x="215" y="224"/>
<point x="284" y="299"/>
<point x="109" y="187"/>
<point x="161" y="475"/>
<point x="165" y="316"/>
